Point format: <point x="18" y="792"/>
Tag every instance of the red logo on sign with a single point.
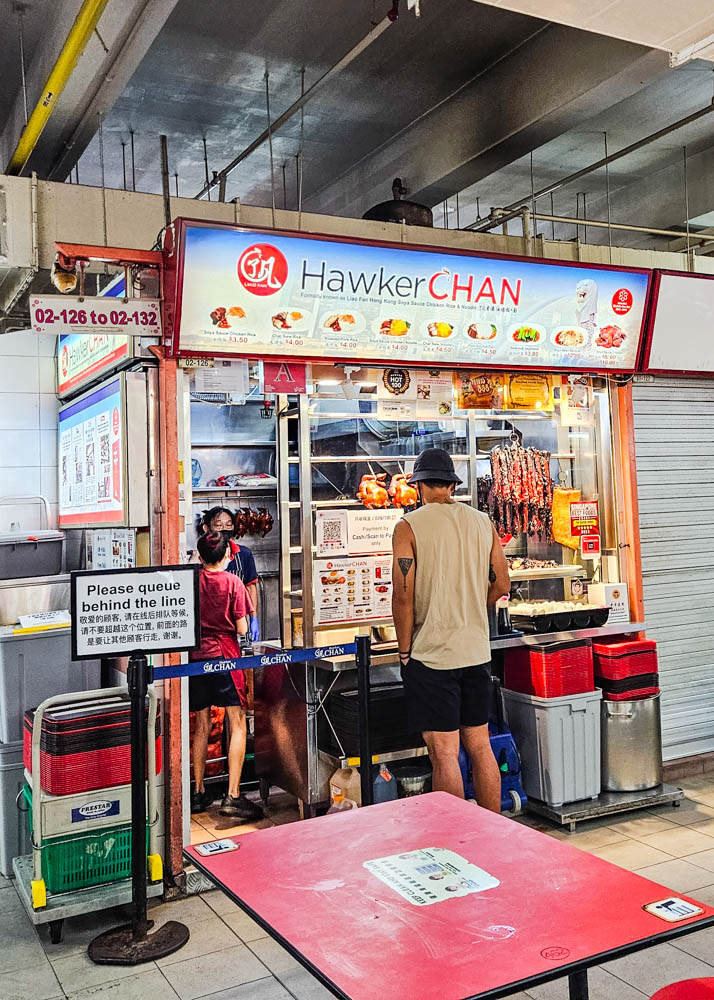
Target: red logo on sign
<point x="622" y="301"/>
<point x="115" y="420"/>
<point x="262" y="269"/>
<point x="64" y="363"/>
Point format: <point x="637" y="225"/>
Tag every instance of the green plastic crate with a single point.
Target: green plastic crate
<point x="91" y="859"/>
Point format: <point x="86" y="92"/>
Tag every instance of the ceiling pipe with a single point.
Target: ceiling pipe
<point x="317" y="86"/>
<point x="502" y="215"/>
<point x="75" y="43"/>
<point x="623" y="227"/>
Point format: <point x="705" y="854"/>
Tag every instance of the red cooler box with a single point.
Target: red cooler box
<point x="550" y="669"/>
<point x="626" y="671"/>
<point x="84" y="746"/>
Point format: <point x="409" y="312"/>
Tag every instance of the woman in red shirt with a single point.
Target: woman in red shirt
<point x="225" y="607"/>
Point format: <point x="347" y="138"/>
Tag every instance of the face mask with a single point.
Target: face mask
<point x="227" y="534"/>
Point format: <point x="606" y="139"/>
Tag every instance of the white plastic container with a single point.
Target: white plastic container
<point x="559" y="743"/>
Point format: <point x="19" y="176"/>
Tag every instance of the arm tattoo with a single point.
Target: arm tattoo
<point x="491" y="574"/>
<point x="405" y="565"/>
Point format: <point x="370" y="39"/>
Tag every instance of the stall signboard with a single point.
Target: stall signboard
<point x="261" y="293"/>
<point x="91" y="458"/>
<point x="679" y="337"/>
<point x="584" y="518"/>
<point x="149" y="610"/>
<point x="82" y="358"/>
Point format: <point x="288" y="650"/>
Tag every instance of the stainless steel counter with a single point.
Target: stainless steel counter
<point x="382" y="656"/>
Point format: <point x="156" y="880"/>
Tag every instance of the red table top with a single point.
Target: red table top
<point x="556" y="908"/>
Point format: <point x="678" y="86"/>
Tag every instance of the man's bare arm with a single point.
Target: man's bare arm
<point x="499" y="582"/>
<point x="403" y="573"/>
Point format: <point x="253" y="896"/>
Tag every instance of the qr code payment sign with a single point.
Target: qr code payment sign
<point x="332" y="530"/>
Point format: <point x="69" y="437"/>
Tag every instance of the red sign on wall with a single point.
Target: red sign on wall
<point x="284" y="377"/>
<point x="584" y="518"/>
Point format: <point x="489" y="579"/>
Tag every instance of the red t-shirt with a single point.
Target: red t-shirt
<point x="223" y="601"/>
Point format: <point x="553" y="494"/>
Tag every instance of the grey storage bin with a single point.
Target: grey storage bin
<point x="631" y="738"/>
<point x="30" y="553"/>
<point x="559" y="743"/>
<point x="36" y="666"/>
<point x="14" y="831"/>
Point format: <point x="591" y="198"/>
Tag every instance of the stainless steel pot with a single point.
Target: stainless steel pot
<point x="631" y="744"/>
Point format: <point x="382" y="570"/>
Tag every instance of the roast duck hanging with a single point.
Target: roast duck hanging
<point x="402" y="493"/>
<point x="373" y="491"/>
<point x="248" y="522"/>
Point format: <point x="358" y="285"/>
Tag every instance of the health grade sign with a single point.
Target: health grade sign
<point x="264" y="293"/>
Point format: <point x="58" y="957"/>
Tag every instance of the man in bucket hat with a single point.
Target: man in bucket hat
<point x="448" y="567"/>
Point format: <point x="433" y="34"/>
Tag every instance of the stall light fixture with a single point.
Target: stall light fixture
<point x="329" y="381"/>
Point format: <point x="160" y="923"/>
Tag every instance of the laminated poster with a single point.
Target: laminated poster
<point x="529" y="392"/>
<point x="431" y="875"/>
<point x="479" y="390"/>
<point x="355" y="532"/>
<point x="352" y="589"/>
<point x="576" y="401"/>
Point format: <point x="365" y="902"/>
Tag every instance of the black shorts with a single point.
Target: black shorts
<point x="443" y="700"/>
<point x="212" y="689"/>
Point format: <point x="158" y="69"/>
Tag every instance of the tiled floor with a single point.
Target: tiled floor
<point x="228" y="957"/>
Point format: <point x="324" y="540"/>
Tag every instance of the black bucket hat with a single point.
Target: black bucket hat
<point x="434" y="463"/>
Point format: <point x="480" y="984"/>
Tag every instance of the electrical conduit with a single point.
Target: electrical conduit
<point x="80" y="33"/>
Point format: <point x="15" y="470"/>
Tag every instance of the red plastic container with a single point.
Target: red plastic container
<point x="626" y="671"/>
<point x="550" y="669"/>
<point x="84" y="747"/>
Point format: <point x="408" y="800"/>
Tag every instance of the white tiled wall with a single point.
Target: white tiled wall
<point x="28" y="426"/>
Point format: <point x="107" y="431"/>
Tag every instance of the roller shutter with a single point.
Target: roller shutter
<point x="674" y="443"/>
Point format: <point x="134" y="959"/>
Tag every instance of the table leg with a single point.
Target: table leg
<point x="578" y="986"/>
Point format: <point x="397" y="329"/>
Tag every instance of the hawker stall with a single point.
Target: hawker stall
<point x="370" y="353"/>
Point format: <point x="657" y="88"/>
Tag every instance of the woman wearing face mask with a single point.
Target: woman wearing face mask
<point x="225" y="607"/>
<point x="241" y="562"/>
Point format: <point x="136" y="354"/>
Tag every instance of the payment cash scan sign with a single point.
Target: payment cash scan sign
<point x="119" y="612"/>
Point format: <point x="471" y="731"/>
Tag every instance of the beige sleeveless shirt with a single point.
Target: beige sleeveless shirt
<point x="453" y="550"/>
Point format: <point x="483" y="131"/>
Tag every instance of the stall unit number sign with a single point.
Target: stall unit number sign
<point x="66" y="314"/>
<point x="584" y="518"/>
<point x="119" y="612"/>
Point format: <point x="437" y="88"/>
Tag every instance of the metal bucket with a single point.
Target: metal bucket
<point x="631" y="744"/>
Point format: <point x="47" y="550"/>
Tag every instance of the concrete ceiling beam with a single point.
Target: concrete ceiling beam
<point x="124" y="34"/>
<point x="546" y="86"/>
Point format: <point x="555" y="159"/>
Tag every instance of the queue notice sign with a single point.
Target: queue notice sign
<point x="118" y="612"/>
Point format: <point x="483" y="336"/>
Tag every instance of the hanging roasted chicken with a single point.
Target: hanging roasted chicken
<point x="241" y="521"/>
<point x="264" y="521"/>
<point x="402" y="493"/>
<point x="373" y="491"/>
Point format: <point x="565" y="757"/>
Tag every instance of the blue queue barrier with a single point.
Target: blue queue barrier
<point x="359" y="649"/>
<point x="199" y="668"/>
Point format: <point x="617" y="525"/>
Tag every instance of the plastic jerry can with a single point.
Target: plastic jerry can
<point x="346" y="782"/>
<point x="341" y="804"/>
<point x="384" y="785"/>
